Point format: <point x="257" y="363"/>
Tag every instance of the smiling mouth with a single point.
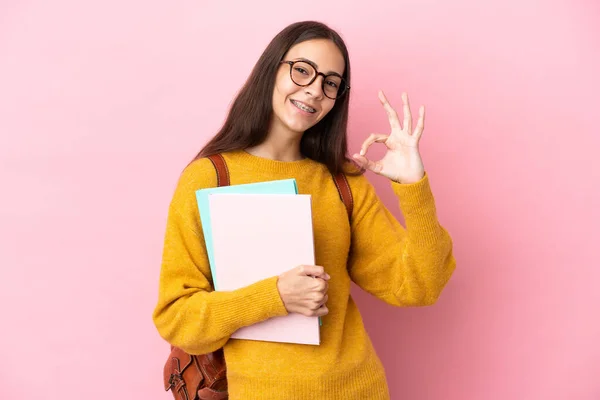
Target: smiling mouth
<point x="303" y="107"/>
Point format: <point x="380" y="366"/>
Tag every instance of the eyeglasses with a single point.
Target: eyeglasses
<point x="304" y="73"/>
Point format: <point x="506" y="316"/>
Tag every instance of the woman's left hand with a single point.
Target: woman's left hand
<point x="402" y="162"/>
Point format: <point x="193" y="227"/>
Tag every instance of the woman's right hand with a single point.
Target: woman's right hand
<point x="304" y="290"/>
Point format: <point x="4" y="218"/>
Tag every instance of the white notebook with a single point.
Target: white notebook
<point x="257" y="236"/>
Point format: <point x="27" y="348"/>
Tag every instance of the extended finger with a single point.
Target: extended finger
<point x="392" y="114"/>
<point x="373" y="138"/>
<point x="406" y="112"/>
<point x="420" y="123"/>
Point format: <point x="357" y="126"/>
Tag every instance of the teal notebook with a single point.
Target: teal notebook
<point x="284" y="186"/>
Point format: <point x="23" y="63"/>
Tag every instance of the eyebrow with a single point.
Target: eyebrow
<point x="314" y="64"/>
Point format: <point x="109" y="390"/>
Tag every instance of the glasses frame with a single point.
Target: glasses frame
<point x="344" y="88"/>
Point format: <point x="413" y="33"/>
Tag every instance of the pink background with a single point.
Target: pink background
<point x="103" y="103"/>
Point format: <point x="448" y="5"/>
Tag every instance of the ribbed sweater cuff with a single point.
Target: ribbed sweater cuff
<point x="418" y="208"/>
<point x="251" y="304"/>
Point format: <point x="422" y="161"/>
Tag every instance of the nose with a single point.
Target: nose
<point x="316" y="88"/>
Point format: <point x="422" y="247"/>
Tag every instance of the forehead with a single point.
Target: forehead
<point x="322" y="52"/>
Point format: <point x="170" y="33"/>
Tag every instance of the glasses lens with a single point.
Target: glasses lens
<point x="333" y="86"/>
<point x="303" y="73"/>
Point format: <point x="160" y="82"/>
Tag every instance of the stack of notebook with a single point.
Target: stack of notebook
<point x="256" y="231"/>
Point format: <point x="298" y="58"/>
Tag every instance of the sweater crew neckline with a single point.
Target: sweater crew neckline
<point x="271" y="165"/>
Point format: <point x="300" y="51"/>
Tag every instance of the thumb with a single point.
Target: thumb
<point x="313" y="270"/>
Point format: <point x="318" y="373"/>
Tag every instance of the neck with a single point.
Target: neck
<point x="279" y="146"/>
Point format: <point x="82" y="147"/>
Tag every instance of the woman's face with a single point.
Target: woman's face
<point x="297" y="108"/>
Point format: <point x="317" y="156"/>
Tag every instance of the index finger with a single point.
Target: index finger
<point x="392" y="115"/>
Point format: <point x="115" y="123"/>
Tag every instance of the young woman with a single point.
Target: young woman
<point x="289" y="121"/>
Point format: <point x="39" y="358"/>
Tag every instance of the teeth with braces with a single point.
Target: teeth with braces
<point x="303" y="107"/>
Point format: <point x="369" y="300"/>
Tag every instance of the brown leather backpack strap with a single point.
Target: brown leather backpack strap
<point x="221" y="167"/>
<point x="343" y="187"/>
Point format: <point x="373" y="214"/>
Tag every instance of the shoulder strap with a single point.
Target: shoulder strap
<point x="221" y="167"/>
<point x="341" y="182"/>
<point x="343" y="187"/>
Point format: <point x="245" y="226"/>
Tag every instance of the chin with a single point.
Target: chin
<point x="299" y="128"/>
<point x="299" y="124"/>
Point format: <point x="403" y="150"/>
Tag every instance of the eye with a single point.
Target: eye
<point x="333" y="84"/>
<point x="301" y="70"/>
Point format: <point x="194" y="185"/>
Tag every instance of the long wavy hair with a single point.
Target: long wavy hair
<point x="247" y="123"/>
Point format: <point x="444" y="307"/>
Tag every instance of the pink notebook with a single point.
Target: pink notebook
<point x="257" y="236"/>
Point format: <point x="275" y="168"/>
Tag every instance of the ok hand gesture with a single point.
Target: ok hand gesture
<point x="402" y="162"/>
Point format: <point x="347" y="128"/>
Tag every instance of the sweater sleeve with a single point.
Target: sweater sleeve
<point x="189" y="314"/>
<point x="402" y="266"/>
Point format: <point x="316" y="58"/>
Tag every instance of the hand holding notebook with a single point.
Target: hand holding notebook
<point x="304" y="290"/>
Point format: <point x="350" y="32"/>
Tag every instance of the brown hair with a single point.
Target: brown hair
<point x="248" y="120"/>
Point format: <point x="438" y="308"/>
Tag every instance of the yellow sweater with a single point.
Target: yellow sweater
<point x="403" y="267"/>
